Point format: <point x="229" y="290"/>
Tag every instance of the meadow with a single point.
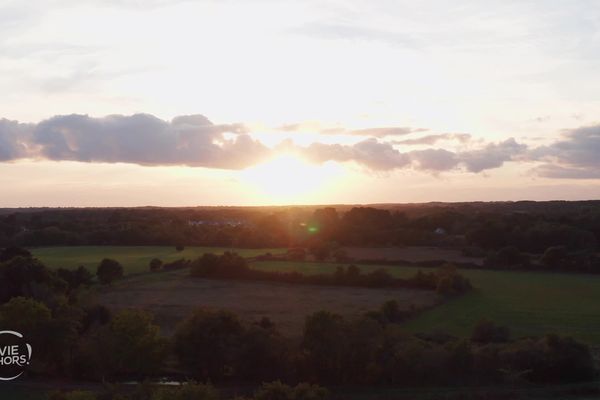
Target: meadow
<point x="135" y="259"/>
<point x="172" y="296"/>
<point x="529" y="303"/>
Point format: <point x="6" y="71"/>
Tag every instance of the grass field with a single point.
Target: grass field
<point x="530" y="303"/>
<point x="134" y="259"/>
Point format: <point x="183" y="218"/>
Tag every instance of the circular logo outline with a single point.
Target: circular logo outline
<point x="29" y="351"/>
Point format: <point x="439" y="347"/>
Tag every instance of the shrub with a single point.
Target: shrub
<point x="73" y="395"/>
<point x="189" y="391"/>
<point x="155" y="264"/>
<point x="450" y="281"/>
<point x="177" y="264"/>
<point x="279" y="391"/>
<point x="12" y="252"/>
<point x="109" y="270"/>
<point x="487" y="332"/>
<point x="75" y="278"/>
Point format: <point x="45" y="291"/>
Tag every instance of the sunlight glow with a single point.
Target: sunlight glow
<point x="290" y="179"/>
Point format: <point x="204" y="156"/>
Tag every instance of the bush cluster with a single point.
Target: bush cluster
<point x="446" y="280"/>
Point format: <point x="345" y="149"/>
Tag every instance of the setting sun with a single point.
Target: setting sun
<point x="288" y="178"/>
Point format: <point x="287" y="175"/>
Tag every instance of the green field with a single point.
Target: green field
<point x="134" y="259"/>
<point x="530" y="303"/>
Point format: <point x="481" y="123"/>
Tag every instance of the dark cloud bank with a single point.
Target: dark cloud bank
<point x="195" y="141"/>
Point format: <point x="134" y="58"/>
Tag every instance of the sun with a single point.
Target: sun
<point x="289" y="179"/>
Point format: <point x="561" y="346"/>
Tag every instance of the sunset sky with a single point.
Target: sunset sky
<point x="242" y="102"/>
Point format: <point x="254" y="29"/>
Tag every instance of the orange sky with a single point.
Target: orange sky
<point x="172" y="103"/>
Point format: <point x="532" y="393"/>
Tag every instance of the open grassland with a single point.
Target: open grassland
<point x="134" y="259"/>
<point x="171" y="296"/>
<point x="530" y="303"/>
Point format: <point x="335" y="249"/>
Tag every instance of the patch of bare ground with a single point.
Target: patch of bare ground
<point x="172" y="296"/>
<point x="413" y="254"/>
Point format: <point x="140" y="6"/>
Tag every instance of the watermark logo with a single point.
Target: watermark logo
<point x="15" y="354"/>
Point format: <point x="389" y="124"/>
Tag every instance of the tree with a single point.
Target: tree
<point x="28" y="277"/>
<point x="320" y="250"/>
<point x="554" y="257"/>
<point x="138" y="345"/>
<point x="50" y="337"/>
<point x="94" y="315"/>
<point x="207" y="342"/>
<point x="487" y="332"/>
<point x="450" y="281"/>
<point x="75" y="278"/>
<point x="324" y="343"/>
<point x="12" y="252"/>
<point x="264" y="354"/>
<point x="109" y="270"/>
<point x="155" y="264"/>
<point x="27" y="316"/>
<point x="129" y="345"/>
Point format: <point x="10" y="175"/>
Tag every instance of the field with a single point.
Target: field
<point x="530" y="303"/>
<point x="171" y="296"/>
<point x="134" y="259"/>
<point x="410" y="253"/>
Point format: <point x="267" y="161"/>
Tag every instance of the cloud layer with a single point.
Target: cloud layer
<point x="140" y="139"/>
<point x="576" y="156"/>
<point x="193" y="140"/>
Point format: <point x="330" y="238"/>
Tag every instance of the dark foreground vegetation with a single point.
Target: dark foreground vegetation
<point x="87" y="342"/>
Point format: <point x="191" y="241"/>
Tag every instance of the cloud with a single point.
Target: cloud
<point x="576" y="156"/>
<point x="377" y="132"/>
<point x="579" y="148"/>
<point x="558" y="172"/>
<point x="342" y="31"/>
<point x="432" y="139"/>
<point x="382" y="156"/>
<point x="140" y="139"/>
<point x="14" y="137"/>
<point x="371" y="153"/>
<point x="493" y="155"/>
<point x="387" y="131"/>
<point x="435" y="160"/>
<point x="193" y="140"/>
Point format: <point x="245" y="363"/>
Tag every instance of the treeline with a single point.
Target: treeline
<point x="531" y="227"/>
<point x="89" y="342"/>
<point x="445" y="280"/>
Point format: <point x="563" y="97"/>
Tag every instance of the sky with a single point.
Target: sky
<point x="258" y="102"/>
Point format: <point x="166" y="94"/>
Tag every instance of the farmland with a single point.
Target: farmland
<point x="530" y="303"/>
<point x="172" y="296"/>
<point x="134" y="259"/>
